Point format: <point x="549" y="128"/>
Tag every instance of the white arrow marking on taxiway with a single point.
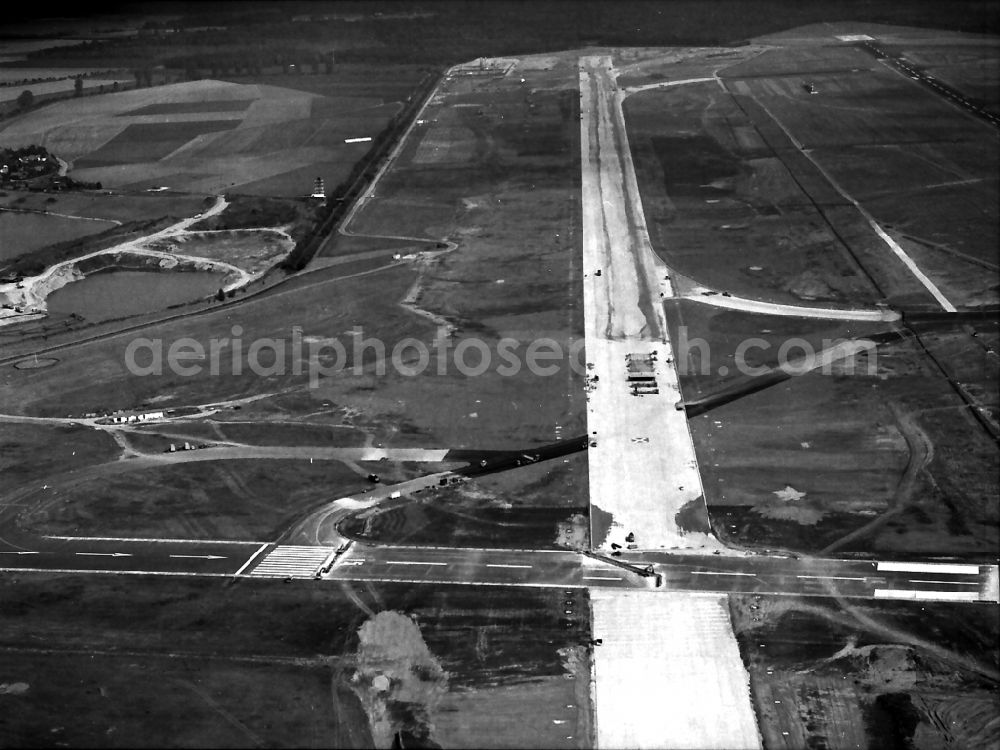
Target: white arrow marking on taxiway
<point x="106" y="554"/>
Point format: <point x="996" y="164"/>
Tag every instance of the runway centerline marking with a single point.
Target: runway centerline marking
<point x="836" y="578"/>
<point x="949" y="583"/>
<point x="145" y="539"/>
<point x="719" y="573"/>
<point x="412" y="562"/>
<point x="502" y="565"/>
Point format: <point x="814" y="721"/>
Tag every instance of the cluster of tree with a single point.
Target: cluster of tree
<point x="450" y="31"/>
<point x="13" y="154"/>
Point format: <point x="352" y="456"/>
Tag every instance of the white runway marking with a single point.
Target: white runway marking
<point x="947" y="583"/>
<point x="719" y="573"/>
<point x="105" y="554"/>
<point x="79" y="571"/>
<point x="292" y="562"/>
<point x="412" y="562"/>
<point x="146" y="539"/>
<point x="910" y="567"/>
<point x="250" y="559"/>
<point x="959" y="596"/>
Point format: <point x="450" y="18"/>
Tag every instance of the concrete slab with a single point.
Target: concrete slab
<point x="668" y="673"/>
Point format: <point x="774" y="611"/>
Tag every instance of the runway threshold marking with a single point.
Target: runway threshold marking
<point x="962" y="596"/>
<point x="947" y="568"/>
<point x="252" y="557"/>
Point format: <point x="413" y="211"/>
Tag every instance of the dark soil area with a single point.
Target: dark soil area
<point x="917" y="672"/>
<point x="259" y="661"/>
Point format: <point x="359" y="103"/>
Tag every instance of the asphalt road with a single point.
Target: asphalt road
<point x="758" y="574"/>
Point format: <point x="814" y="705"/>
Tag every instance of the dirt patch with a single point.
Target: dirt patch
<point x="813" y="666"/>
<point x="398" y="681"/>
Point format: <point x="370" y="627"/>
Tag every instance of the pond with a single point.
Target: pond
<point x="117" y="294"/>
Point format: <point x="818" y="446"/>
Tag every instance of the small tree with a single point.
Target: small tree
<point x="220" y="295"/>
<point x="78" y="87"/>
<point x="25" y="99"/>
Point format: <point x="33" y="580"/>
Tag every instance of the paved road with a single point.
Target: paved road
<point x="757" y="574"/>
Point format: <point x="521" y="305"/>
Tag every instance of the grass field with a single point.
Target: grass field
<point x="924" y="169"/>
<point x="733" y="204"/>
<point x="263" y="663"/>
<point x="323" y="306"/>
<point x="93" y="204"/>
<point x="239" y="500"/>
<point x="33" y="452"/>
<point x="718" y="204"/>
<point x="25" y="232"/>
<point x="539" y="506"/>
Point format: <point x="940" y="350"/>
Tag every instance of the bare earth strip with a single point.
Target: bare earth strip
<point x="668" y="673"/>
<point x="643" y="469"/>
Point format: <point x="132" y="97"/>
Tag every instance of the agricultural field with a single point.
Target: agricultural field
<point x="205" y="137"/>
